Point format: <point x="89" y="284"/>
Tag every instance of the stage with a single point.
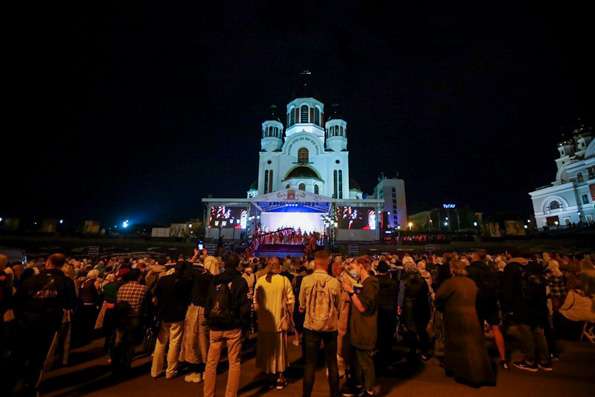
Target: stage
<point x="304" y="212"/>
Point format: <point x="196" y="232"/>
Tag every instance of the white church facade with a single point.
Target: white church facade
<point x="303" y="181"/>
<point x="569" y="199"/>
<point x="309" y="155"/>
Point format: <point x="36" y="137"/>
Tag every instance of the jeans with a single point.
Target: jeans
<point x="233" y="340"/>
<point x="127" y="338"/>
<point x="534" y="343"/>
<point x="170" y="338"/>
<point x="312" y="341"/>
<point x="364" y="368"/>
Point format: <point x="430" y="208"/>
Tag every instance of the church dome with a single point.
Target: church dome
<point x="302" y="172"/>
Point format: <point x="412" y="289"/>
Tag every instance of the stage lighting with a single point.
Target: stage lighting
<point x="61" y="221"/>
<point x="125" y="224"/>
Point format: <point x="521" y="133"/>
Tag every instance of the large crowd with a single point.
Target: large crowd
<point x="470" y="311"/>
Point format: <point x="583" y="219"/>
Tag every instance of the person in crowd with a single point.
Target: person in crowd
<point x="556" y="293"/>
<point x="7" y="330"/>
<point x="195" y="342"/>
<point x="466" y="356"/>
<point x="387" y="312"/>
<point x="487" y="282"/>
<point x="319" y="300"/>
<point x="172" y="297"/>
<point x="273" y="303"/>
<point x="526" y="303"/>
<point x="344" y="351"/>
<point x="110" y="296"/>
<point x="41" y="303"/>
<point x="130" y="316"/>
<point x="298" y="315"/>
<point x="363" y="325"/>
<point x="416" y="312"/>
<point x="227" y="312"/>
<point x="89" y="300"/>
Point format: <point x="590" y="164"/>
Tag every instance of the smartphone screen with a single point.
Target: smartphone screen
<point x="200" y="246"/>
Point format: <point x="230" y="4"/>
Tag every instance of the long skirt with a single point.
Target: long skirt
<point x="271" y="352"/>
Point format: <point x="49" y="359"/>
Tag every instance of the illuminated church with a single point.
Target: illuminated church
<point x="309" y="155"/>
<point x="303" y="181"/>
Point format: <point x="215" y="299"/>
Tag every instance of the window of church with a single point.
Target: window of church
<point x="316" y="191"/>
<point x="311" y="115"/>
<point x="302" y="187"/>
<point x="335" y="185"/>
<point x="303" y="155"/>
<point x="340" y="184"/>
<point x="266" y="181"/>
<point x="585" y="199"/>
<point x="555" y="205"/>
<point x="296" y="113"/>
<point x="291" y="117"/>
<point x="317" y="116"/>
<point x="304" y="114"/>
<point x="270" y="181"/>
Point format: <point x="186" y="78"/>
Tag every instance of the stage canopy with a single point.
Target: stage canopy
<point x="292" y="200"/>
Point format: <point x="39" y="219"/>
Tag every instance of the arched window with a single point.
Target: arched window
<point x="304" y="114"/>
<point x="296" y="112"/>
<point x="311" y="115"/>
<point x="555" y="205"/>
<point x="579" y="177"/>
<point x="316" y="190"/>
<point x="270" y="181"/>
<point x="291" y="117"/>
<point x="335" y="184"/>
<point x="302" y="187"/>
<point x="303" y="155"/>
<point x="317" y="116"/>
<point x="266" y="181"/>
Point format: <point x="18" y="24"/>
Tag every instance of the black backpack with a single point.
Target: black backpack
<point x="221" y="314"/>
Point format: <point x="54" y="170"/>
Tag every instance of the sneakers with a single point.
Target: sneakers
<point x="525" y="366"/>
<point x="194" y="377"/>
<point x="504" y="364"/>
<point x="545" y="366"/>
<point x="281" y="383"/>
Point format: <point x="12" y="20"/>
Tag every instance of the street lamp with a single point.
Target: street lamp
<point x="410" y="224"/>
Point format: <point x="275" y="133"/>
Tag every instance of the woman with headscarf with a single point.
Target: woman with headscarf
<point x="416" y="312"/>
<point x="273" y="303"/>
<point x="466" y="356"/>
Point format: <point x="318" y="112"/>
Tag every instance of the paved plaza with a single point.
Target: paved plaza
<point x="573" y="376"/>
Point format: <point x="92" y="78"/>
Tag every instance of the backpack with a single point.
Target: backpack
<point x="320" y="308"/>
<point x="48" y="291"/>
<point x="221" y="313"/>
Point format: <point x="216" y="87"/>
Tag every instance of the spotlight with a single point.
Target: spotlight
<point x="125" y="224"/>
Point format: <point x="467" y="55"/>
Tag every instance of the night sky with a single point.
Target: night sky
<point x="137" y="110"/>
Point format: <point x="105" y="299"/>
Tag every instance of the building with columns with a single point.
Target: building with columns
<point x="569" y="199"/>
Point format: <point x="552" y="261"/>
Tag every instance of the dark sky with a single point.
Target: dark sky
<point x="134" y="109"/>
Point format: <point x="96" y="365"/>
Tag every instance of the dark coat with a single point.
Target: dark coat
<point x="239" y="298"/>
<point x="466" y="355"/>
<point x="173" y="294"/>
<point x="416" y="303"/>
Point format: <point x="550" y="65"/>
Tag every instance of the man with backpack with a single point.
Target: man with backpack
<point x="228" y="314"/>
<point x="319" y="300"/>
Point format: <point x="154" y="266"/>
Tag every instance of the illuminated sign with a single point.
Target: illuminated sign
<point x="449" y="205"/>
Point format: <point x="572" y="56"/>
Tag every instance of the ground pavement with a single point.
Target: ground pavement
<point x="573" y="376"/>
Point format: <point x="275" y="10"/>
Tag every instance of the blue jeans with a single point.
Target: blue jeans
<point x="312" y="341"/>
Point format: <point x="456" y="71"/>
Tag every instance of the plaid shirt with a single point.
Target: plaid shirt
<point x="557" y="286"/>
<point x="134" y="293"/>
